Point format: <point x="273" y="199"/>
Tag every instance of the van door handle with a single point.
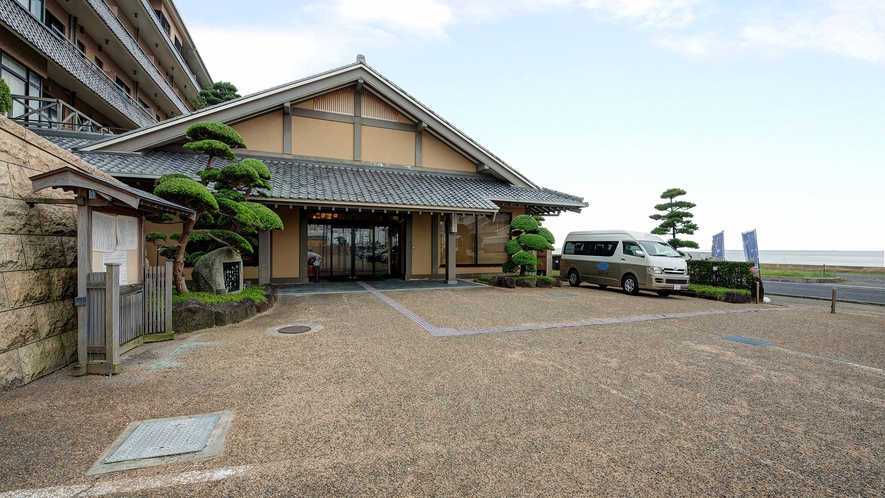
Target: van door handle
<point x="622" y="259"/>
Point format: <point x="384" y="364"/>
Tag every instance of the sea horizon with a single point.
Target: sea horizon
<point x="874" y="259"/>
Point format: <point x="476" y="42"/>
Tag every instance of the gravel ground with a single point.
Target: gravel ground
<point x="373" y="405"/>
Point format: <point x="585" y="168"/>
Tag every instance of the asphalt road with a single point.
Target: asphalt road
<point x="859" y="292"/>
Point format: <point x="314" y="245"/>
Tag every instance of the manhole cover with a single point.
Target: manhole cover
<point x="294" y="329"/>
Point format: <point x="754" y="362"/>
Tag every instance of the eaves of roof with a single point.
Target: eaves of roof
<point x="376" y="186"/>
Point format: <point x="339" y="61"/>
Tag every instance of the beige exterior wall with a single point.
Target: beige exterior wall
<point x="307" y="104"/>
<point x="263" y="133"/>
<point x="382" y="145"/>
<point x="320" y="138"/>
<point x="422" y="228"/>
<point x="436" y="154"/>
<point x="286" y="245"/>
<point x="38" y="260"/>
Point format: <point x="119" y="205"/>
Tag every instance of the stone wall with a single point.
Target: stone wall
<point x="38" y="260"/>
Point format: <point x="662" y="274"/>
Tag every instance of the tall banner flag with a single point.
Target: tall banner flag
<point x="751" y="249"/>
<point x="718" y="246"/>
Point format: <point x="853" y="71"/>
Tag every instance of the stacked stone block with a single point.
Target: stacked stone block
<point x="38" y="260"/>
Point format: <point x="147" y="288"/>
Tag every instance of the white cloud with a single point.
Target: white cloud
<point x="853" y="28"/>
<point x="661" y="13"/>
<point x="421" y="18"/>
<point x="284" y="54"/>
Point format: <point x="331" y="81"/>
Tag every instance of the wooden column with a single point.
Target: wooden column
<point x="451" y="250"/>
<point x="407" y="253"/>
<point x="84" y="266"/>
<point x="264" y="257"/>
<point x="112" y="318"/>
<point x="168" y="296"/>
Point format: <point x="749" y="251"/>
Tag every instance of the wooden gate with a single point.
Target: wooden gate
<point x="136" y="313"/>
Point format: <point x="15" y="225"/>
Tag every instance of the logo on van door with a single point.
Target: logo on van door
<point x="602" y="266"/>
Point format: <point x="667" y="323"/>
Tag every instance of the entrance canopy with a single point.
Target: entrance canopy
<point x="114" y="193"/>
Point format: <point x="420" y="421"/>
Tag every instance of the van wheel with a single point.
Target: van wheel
<point x="630" y="285"/>
<point x="664" y="293"/>
<point x="573" y="278"/>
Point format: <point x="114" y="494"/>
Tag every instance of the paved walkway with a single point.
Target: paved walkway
<point x="326" y="287"/>
<point x="643" y="396"/>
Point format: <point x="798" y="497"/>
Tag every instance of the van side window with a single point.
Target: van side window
<point x="569" y="248"/>
<point x="606" y="248"/>
<point x="630" y="248"/>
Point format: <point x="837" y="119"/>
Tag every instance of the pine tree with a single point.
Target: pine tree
<point x="526" y="235"/>
<point x="675" y="219"/>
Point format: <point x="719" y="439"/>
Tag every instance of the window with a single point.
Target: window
<point x="21" y="81"/>
<point x="163" y="22"/>
<point x="35" y="7"/>
<point x="81" y="48"/>
<point x="99" y="63"/>
<point x="480" y="239"/>
<point x="54" y="24"/>
<point x="121" y="85"/>
<point x="630" y="248"/>
<point x="177" y="45"/>
<point x="588" y="248"/>
<point x="143" y="104"/>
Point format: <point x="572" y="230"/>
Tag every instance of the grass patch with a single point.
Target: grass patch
<point x="486" y="278"/>
<point x="707" y="290"/>
<point x="796" y="273"/>
<point x="555" y="274"/>
<point x="258" y="294"/>
<point x="876" y="270"/>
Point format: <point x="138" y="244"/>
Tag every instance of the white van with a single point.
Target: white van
<point x="621" y="258"/>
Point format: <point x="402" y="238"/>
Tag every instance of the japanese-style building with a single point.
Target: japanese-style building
<point x="364" y="175"/>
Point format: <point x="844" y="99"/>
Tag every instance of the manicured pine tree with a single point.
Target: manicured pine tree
<point x="526" y="235"/>
<point x="224" y="216"/>
<point x="675" y="219"/>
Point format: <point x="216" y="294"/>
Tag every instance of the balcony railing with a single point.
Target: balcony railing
<point x="42" y="112"/>
<point x="107" y="14"/>
<point x="69" y="58"/>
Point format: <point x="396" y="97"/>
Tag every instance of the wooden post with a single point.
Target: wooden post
<point x="84" y="266"/>
<point x="451" y="250"/>
<point x="264" y="257"/>
<point x="168" y="297"/>
<point x="112" y="317"/>
<point x="833" y="302"/>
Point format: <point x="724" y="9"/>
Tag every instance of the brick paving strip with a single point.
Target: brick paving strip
<point x="449" y="332"/>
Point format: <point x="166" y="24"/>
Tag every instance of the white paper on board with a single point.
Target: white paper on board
<point x="104" y="232"/>
<point x="127" y="233"/>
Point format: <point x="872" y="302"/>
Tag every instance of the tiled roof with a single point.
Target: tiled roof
<point x="325" y="181"/>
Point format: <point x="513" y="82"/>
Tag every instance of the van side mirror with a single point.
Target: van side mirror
<point x="639" y="254"/>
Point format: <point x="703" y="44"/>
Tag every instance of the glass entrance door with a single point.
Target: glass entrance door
<point x="355" y="251"/>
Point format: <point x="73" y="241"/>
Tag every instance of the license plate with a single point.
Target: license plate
<point x="677" y="287"/>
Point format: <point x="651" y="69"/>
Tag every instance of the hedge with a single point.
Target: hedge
<point x="731" y="274"/>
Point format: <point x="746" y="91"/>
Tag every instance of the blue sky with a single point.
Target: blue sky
<point x="770" y="114"/>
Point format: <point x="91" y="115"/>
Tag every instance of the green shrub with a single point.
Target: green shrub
<point x="257" y="294"/>
<point x="707" y="290"/>
<point x="731" y="274"/>
<point x="535" y="278"/>
<point x="5" y="97"/>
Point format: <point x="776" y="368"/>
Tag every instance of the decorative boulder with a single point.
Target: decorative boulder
<point x="544" y="283"/>
<point x="526" y="282"/>
<point x="209" y="272"/>
<point x="192" y="315"/>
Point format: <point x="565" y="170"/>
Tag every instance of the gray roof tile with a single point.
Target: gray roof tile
<point x="314" y="180"/>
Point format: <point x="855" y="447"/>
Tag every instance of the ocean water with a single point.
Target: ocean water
<point x="833" y="258"/>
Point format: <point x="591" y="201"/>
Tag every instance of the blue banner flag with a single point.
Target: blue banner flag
<point x="751" y="248"/>
<point x="719" y="246"/>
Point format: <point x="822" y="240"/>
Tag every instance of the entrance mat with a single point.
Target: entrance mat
<point x="161" y="441"/>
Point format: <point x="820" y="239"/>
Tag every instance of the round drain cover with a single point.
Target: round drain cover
<point x="294" y="329"/>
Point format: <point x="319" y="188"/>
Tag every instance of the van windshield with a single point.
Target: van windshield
<point x="654" y="248"/>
